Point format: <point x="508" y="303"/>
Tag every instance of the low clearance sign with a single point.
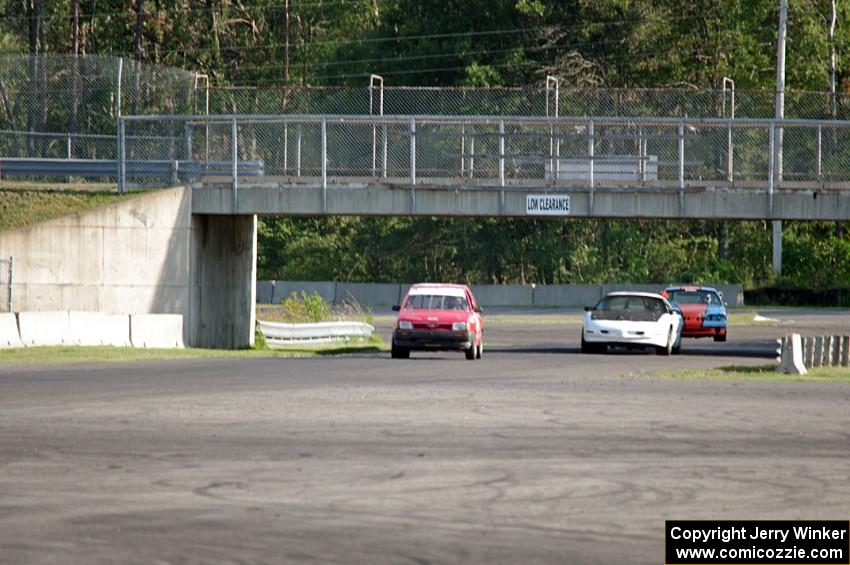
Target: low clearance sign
<point x="547" y="205"/>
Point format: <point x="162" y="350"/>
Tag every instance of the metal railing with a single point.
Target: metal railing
<point x="6" y="272"/>
<point x="323" y="332"/>
<point x="451" y="152"/>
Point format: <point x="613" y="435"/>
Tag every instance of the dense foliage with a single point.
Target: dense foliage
<point x="619" y="43"/>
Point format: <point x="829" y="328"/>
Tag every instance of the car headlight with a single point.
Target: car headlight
<point x="459" y="326"/>
<point x="405" y="325"/>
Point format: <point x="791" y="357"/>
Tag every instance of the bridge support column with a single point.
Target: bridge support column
<point x="777" y="247"/>
<point x="225" y="280"/>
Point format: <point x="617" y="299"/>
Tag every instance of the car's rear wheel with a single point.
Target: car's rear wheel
<point x="470" y="352"/>
<point x="677" y="347"/>
<point x="480" y="349"/>
<point x="667" y="349"/>
<point x="720" y="337"/>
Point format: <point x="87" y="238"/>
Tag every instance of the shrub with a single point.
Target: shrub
<point x="305" y="308"/>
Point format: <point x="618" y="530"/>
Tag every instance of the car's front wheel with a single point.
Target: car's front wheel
<point x="480" y="353"/>
<point x="399" y="352"/>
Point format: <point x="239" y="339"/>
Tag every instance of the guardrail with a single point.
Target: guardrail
<point x="323" y="332"/>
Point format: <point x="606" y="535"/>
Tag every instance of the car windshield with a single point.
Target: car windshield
<point x="694" y="297"/>
<point x="630" y="304"/>
<point x="435" y="302"/>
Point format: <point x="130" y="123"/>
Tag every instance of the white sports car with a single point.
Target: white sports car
<point x="632" y="319"/>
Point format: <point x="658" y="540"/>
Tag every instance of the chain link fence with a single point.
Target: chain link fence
<point x="56" y="106"/>
<point x="531" y="101"/>
<point x="492" y="152"/>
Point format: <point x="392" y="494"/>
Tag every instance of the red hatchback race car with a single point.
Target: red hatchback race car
<point x="438" y="317"/>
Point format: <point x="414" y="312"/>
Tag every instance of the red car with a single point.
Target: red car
<point x="438" y="317"/>
<point x="702" y="308"/>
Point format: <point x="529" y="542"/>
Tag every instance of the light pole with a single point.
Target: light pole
<point x="780" y="114"/>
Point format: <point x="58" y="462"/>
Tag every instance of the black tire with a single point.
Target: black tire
<point x="593" y="347"/>
<point x="721" y="337"/>
<point x="399" y="352"/>
<point x="470" y="352"/>
<point x="668" y="349"/>
<point x="677" y="347"/>
<point x="480" y="353"/>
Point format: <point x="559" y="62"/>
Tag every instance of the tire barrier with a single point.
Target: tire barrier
<point x="797" y="353"/>
<point x="322" y="332"/>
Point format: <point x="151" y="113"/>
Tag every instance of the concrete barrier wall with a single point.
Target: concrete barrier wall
<point x="156" y="331"/>
<point x="132" y="256"/>
<point x="284" y="289"/>
<point x="504" y="295"/>
<point x="521" y="296"/>
<point x="10" y="337"/>
<point x="40" y="329"/>
<point x="37" y="329"/>
<point x="367" y="294"/>
<point x="567" y="296"/>
<point x="95" y="328"/>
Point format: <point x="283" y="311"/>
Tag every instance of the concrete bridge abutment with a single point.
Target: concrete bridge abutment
<point x="225" y="271"/>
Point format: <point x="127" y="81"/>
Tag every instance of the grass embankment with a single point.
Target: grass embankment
<point x="87" y="355"/>
<point x="763" y="373"/>
<point x="23" y="204"/>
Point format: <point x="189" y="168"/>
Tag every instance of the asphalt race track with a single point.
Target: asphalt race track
<point x="536" y="454"/>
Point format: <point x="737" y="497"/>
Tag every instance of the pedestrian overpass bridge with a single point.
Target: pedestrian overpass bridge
<point x="242" y="166"/>
<point x="607" y="167"/>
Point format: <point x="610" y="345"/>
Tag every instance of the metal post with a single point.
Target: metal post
<point x="771" y="171"/>
<point x="118" y="87"/>
<point x="502" y="153"/>
<point x="120" y="128"/>
<point x="779" y="141"/>
<point x="384" y="150"/>
<point x="472" y="152"/>
<point x="552" y="83"/>
<point x="285" y="147"/>
<point x="462" y="151"/>
<point x="730" y="173"/>
<point x="372" y="80"/>
<point x="187" y="129"/>
<point x="122" y="157"/>
<point x="820" y="153"/>
<point x="298" y="132"/>
<point x="412" y="165"/>
<point x="324" y="165"/>
<point x="234" y="166"/>
<point x="68" y="147"/>
<point x="591" y="138"/>
<point x="682" y="167"/>
<point x="501" y="165"/>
